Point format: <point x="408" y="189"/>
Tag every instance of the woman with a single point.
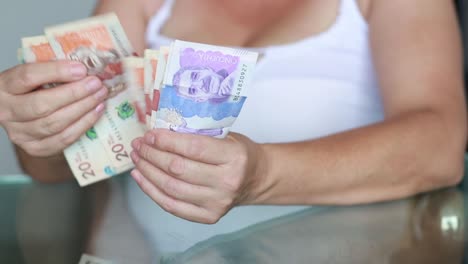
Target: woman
<point x="354" y="101"/>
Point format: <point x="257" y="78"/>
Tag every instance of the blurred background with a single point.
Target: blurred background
<point x="22" y="18"/>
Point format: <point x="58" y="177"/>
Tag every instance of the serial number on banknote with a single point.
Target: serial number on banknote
<point x="241" y="83"/>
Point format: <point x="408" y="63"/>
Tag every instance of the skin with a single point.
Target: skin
<point x="419" y="147"/>
<point x="49" y="119"/>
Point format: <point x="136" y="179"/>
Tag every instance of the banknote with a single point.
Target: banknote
<point x="99" y="43"/>
<point x="164" y="53"/>
<point x="118" y="126"/>
<point x="151" y="58"/>
<point x="204" y="88"/>
<point x="88" y="160"/>
<point x="37" y="49"/>
<point x="213" y="72"/>
<point x="134" y="68"/>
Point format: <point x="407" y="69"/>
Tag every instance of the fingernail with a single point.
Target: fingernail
<point x="101" y="94"/>
<point x="136" y="144"/>
<point x="135" y="157"/>
<point x="93" y="84"/>
<point x="136" y="175"/>
<point x="100" y="108"/>
<point x="78" y="70"/>
<point x="149" y="139"/>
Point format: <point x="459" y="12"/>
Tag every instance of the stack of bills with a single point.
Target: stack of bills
<point x="186" y="87"/>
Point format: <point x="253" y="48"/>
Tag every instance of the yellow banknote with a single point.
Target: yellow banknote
<point x="88" y="159"/>
<point x="119" y="126"/>
<point x="134" y="68"/>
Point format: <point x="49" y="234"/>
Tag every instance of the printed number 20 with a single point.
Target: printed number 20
<point x="86" y="170"/>
<point x="119" y="152"/>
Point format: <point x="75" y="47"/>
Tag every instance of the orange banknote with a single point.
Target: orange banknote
<point x="98" y="42"/>
<point x="151" y="67"/>
<point x="36" y="49"/>
<point x="164" y="53"/>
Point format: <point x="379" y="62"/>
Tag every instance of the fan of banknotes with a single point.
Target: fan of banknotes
<point x="186" y="87"/>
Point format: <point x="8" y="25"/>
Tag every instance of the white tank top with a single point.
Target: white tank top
<point x="311" y="88"/>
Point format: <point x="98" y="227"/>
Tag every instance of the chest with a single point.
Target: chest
<point x="252" y="23"/>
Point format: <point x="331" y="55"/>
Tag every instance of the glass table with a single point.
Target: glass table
<point x="67" y="224"/>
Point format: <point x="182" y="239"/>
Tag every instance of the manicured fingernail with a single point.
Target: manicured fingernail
<point x="93" y="84"/>
<point x="136" y="175"/>
<point x="134" y="157"/>
<point x="101" y="94"/>
<point x="136" y="144"/>
<point x="100" y="108"/>
<point x="78" y="70"/>
<point x="149" y="138"/>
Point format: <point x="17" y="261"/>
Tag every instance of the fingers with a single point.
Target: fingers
<point x="27" y="77"/>
<point x="57" y="143"/>
<point x="42" y="103"/>
<point x="64" y="117"/>
<point x="195" y="147"/>
<point x="173" y="206"/>
<point x="177" y="166"/>
<point x="171" y="186"/>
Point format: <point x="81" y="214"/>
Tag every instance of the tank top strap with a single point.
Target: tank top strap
<point x="155" y="24"/>
<point x="351" y="14"/>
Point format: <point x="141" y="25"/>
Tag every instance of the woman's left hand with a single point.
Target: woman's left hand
<point x="194" y="177"/>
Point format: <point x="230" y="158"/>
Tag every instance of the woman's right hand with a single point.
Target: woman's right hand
<point x="44" y="122"/>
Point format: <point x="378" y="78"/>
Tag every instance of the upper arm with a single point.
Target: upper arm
<point x="134" y="16"/>
<point x="418" y="57"/>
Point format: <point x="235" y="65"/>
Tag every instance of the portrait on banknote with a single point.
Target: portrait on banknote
<point x="105" y="64"/>
<point x="205" y="75"/>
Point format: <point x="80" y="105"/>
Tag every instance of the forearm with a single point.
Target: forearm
<point x="405" y="155"/>
<point x="49" y="170"/>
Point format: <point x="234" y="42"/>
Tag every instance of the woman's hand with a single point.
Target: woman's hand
<point x="43" y="122"/>
<point x="198" y="178"/>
